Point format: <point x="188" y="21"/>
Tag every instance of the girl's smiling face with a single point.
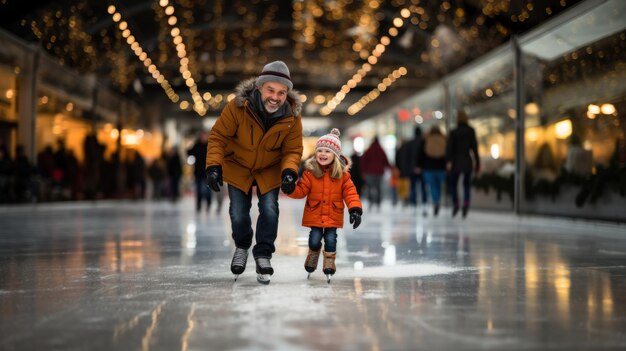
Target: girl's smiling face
<point x="324" y="156"/>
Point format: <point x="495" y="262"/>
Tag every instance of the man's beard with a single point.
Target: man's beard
<point x="270" y="108"/>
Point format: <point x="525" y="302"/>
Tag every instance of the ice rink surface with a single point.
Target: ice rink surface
<point x="155" y="276"/>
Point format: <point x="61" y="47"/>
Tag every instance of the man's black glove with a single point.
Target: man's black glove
<point x="355" y="216"/>
<point x="214" y="177"/>
<point x="289" y="181"/>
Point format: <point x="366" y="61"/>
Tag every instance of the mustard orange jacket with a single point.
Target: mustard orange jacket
<point x="325" y="198"/>
<point x="246" y="152"/>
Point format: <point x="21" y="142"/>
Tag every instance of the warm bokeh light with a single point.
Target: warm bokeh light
<point x="563" y="129"/>
<point x="608" y="109"/>
<point x="595" y="109"/>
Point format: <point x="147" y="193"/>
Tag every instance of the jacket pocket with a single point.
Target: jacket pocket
<point x="313" y="204"/>
<point x="338" y="206"/>
<point x="275" y="142"/>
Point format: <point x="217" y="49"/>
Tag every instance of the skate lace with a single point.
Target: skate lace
<point x="240" y="257"/>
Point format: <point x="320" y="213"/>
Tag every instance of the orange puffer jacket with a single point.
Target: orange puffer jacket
<point x="247" y="152"/>
<point x="325" y="198"/>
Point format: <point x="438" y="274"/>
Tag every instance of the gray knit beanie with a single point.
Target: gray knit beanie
<point x="276" y="71"/>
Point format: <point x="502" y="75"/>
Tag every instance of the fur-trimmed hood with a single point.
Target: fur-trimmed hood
<point x="245" y="88"/>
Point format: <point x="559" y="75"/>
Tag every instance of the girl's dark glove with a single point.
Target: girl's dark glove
<point x="355" y="217"/>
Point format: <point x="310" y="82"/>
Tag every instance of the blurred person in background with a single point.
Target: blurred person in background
<point x="432" y="164"/>
<point x="462" y="160"/>
<point x="373" y="164"/>
<point x="410" y="160"/>
<point x="158" y="173"/>
<point x="198" y="151"/>
<point x="6" y="173"/>
<point x="355" y="172"/>
<point x="174" y="173"/>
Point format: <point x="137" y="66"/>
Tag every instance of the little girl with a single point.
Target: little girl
<point x="326" y="184"/>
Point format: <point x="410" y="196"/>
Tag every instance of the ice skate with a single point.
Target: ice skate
<point x="263" y="278"/>
<point x="455" y="210"/>
<point x="238" y="264"/>
<point x="310" y="263"/>
<point x="264" y="270"/>
<point x="329" y="264"/>
<point x="465" y="210"/>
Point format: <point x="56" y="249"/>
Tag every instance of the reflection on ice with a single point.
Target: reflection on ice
<point x="113" y="279"/>
<point x="190" y="240"/>
<point x="404" y="271"/>
<point x="390" y="255"/>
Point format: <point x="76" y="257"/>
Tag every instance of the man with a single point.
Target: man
<point x="198" y="151"/>
<point x="410" y="158"/>
<point x="462" y="156"/>
<point x="257" y="141"/>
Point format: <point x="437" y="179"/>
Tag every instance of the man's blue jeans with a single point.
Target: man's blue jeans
<point x="330" y="239"/>
<point x="266" y="224"/>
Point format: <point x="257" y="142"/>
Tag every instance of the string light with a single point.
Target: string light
<point x="143" y="56"/>
<point x="325" y="52"/>
<point x="177" y="39"/>
<point x="372" y="60"/>
<point x="375" y="93"/>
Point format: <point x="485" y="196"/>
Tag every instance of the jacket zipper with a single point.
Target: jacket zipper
<point x="277" y="139"/>
<point x="251" y="136"/>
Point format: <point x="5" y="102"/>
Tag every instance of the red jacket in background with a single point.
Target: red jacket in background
<point x="374" y="160"/>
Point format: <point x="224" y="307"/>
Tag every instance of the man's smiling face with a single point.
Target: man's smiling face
<point x="273" y="95"/>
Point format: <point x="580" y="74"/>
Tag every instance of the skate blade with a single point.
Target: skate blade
<point x="236" y="276"/>
<point x="263" y="278"/>
<point x="308" y="276"/>
<point x="328" y="277"/>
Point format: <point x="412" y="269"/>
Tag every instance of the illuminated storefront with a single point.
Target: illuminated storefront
<point x="8" y="104"/>
<point x="566" y="155"/>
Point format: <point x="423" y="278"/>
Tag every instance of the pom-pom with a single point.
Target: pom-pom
<point x="335" y="131"/>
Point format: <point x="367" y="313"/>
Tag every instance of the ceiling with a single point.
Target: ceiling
<point x="324" y="43"/>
